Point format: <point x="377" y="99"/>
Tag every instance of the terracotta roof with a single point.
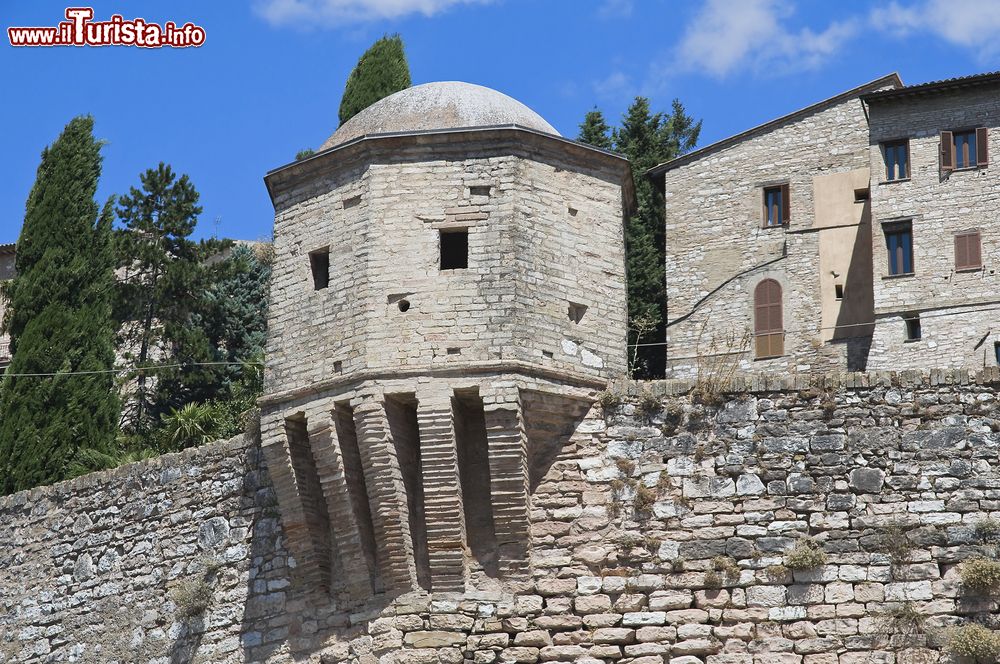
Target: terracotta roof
<point x="890" y="79"/>
<point x="944" y="85"/>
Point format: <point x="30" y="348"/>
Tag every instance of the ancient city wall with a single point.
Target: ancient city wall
<point x="662" y="532"/>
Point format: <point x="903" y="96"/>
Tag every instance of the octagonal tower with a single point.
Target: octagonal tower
<point x="448" y="294"/>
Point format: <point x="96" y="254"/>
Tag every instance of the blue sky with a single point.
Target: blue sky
<point x="268" y="80"/>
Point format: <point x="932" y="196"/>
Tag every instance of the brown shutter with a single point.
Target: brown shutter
<point x="906" y="143"/>
<point x="786" y="205"/>
<point x="973" y="243"/>
<point x="982" y="146"/>
<point x="763" y="206"/>
<point x="961" y="251"/>
<point x="947" y="151"/>
<point x="768" y="325"/>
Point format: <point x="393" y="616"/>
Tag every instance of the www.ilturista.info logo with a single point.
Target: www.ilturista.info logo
<point x="81" y="30"/>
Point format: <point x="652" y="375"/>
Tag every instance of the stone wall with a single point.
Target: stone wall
<point x="958" y="310"/>
<point x="661" y="532"/>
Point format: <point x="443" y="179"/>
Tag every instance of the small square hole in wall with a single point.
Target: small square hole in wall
<point x="576" y="311"/>
<point x="996" y="351"/>
<point x="572" y="211"/>
<point x="454" y="351"/>
<point x="351" y="202"/>
<point x="913" y="331"/>
<point x="547" y="353"/>
<point x="454" y="249"/>
<point x="319" y="263"/>
<point x="338" y="367"/>
<point x="479" y="190"/>
<point x="838" y="290"/>
<point x="861" y="195"/>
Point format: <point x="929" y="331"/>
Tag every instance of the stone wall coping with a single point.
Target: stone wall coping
<point x="743" y="383"/>
<point x="184" y="458"/>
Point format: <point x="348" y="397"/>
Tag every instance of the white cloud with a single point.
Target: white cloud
<point x="972" y="24"/>
<point x="616" y="85"/>
<point x="310" y="13"/>
<point x="727" y="36"/>
<point x="615" y="9"/>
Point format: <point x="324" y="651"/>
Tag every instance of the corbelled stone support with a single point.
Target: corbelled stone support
<point x="386" y="496"/>
<point x="294" y="505"/>
<point x="442" y="491"/>
<point x="508" y="478"/>
<point x="350" y="569"/>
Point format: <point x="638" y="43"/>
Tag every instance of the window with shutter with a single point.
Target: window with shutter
<point x="968" y="251"/>
<point x="947" y="152"/>
<point x="897" y="160"/>
<point x="964" y="150"/>
<point x="769" y="335"/>
<point x="982" y="146"/>
<point x="899" y="245"/>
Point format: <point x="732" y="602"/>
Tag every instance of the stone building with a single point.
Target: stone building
<point x="768" y="249"/>
<point x="448" y="294"/>
<point x="6" y="272"/>
<point x="936" y="210"/>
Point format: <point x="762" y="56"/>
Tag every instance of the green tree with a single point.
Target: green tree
<point x="60" y="321"/>
<point x="381" y="71"/>
<point x="161" y="275"/>
<point x="594" y="130"/>
<point x="647" y="139"/>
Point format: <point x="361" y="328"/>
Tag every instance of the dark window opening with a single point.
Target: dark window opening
<point x="996" y="351"/>
<point x="547" y="353"/>
<point x="479" y="190"/>
<point x="454" y="351"/>
<point x="338" y="366"/>
<point x="576" y="311"/>
<point x="455" y="249"/>
<point x="776" y="206"/>
<point x="838" y="290"/>
<point x="861" y="195"/>
<point x="769" y="328"/>
<point x="899" y="245"/>
<point x="572" y="211"/>
<point x="912" y="327"/>
<point x="897" y="160"/>
<point x="968" y="250"/>
<point x="403" y="305"/>
<point x="351" y="202"/>
<point x="965" y="149"/>
<point x="319" y="263"/>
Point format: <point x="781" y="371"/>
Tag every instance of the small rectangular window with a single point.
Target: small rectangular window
<point x="968" y="250"/>
<point x="838" y="290"/>
<point x="912" y="327"/>
<point x="479" y="190"/>
<point x="897" y="160"/>
<point x="996" y="351"/>
<point x="319" y="262"/>
<point x="861" y="195"/>
<point x="965" y="149"/>
<point x="899" y="244"/>
<point x="454" y="249"/>
<point x="776" y="211"/>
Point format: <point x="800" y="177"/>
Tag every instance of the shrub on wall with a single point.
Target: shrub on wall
<point x="806" y="554"/>
<point x="981" y="576"/>
<point x="975" y="642"/>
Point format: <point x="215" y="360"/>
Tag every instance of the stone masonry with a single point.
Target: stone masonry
<point x="661" y="532"/>
<point x="718" y="248"/>
<point x="958" y="309"/>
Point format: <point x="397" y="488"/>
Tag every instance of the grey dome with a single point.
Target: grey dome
<point x="443" y="105"/>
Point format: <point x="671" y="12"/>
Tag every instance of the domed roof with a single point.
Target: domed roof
<point x="443" y="105"/>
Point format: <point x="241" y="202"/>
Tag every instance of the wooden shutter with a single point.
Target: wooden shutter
<point x="763" y="200"/>
<point x="768" y="325"/>
<point x="982" y="146"/>
<point x="906" y="146"/>
<point x="968" y="250"/>
<point x="947" y="151"/>
<point x="961" y="252"/>
<point x="786" y="206"/>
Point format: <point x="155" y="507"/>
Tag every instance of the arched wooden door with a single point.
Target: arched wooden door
<point x="768" y="326"/>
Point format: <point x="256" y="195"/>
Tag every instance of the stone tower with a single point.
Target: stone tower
<point x="448" y="294"/>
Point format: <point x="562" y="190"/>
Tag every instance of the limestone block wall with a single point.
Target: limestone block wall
<point x="954" y="332"/>
<point x="544" y="224"/>
<point x="661" y="532"/>
<point x="717" y="249"/>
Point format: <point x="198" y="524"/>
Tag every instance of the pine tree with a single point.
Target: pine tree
<point x="647" y="139"/>
<point x="161" y="277"/>
<point x="60" y="321"/>
<point x="594" y="130"/>
<point x="381" y="71"/>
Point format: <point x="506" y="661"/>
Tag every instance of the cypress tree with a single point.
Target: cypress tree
<point x="381" y="71"/>
<point x="60" y="321"/>
<point x="647" y="139"/>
